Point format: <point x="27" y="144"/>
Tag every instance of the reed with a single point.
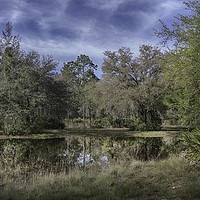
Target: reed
<point x="171" y="178"/>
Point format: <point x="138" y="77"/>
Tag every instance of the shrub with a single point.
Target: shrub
<point x="191" y="142"/>
<point x="101" y="123"/>
<point x="130" y="123"/>
<point x="54" y="123"/>
<point x="117" y="123"/>
<point x="21" y="128"/>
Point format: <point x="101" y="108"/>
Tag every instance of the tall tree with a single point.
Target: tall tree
<point x="181" y="66"/>
<point x="11" y="60"/>
<point x="78" y="74"/>
<point x="30" y="93"/>
<point x="130" y="87"/>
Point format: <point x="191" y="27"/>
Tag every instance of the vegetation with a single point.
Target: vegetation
<point x="166" y="179"/>
<point x="191" y="142"/>
<point x="135" y="92"/>
<point x="138" y="93"/>
<point x="30" y="93"/>
<point x="181" y="72"/>
<point x="129" y="91"/>
<point x="181" y="64"/>
<point x="77" y="75"/>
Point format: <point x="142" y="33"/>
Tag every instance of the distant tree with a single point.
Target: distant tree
<point x="78" y="74"/>
<point x="150" y="93"/>
<point x="130" y="87"/>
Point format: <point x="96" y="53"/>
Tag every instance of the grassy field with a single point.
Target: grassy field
<point x="171" y="179"/>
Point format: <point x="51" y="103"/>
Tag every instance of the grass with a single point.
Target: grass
<point x="170" y="179"/>
<point x="101" y="132"/>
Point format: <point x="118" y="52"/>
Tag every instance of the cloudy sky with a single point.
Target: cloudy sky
<point x="68" y="28"/>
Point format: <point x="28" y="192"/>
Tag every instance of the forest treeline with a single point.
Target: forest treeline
<point x="135" y="92"/>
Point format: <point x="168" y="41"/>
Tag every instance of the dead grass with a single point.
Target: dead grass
<point x="170" y="179"/>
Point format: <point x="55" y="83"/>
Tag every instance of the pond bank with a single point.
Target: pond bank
<point x="114" y="132"/>
<point x="96" y="164"/>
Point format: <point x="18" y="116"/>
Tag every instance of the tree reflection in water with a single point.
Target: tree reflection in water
<point x="23" y="156"/>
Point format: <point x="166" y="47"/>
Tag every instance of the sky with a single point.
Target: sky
<point x="68" y="28"/>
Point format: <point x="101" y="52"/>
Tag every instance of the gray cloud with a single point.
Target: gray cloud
<point x="68" y="28"/>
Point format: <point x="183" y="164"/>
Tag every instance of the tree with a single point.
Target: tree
<point x="149" y="94"/>
<point x="11" y="60"/>
<point x="130" y="87"/>
<point x="181" y="66"/>
<point x="79" y="74"/>
<point x="30" y="93"/>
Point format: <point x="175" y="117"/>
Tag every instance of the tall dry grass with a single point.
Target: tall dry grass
<point x="171" y="179"/>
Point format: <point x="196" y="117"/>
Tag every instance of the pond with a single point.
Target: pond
<point x="55" y="155"/>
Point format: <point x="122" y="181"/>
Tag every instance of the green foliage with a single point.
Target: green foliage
<point x="30" y="90"/>
<point x="181" y="74"/>
<point x="101" y="123"/>
<point x="131" y="123"/>
<point x="181" y="64"/>
<point x="170" y="179"/>
<point x="114" y="123"/>
<point x="130" y="88"/>
<point x="191" y="141"/>
<point x="53" y="123"/>
<point x="20" y="128"/>
<point x="78" y="75"/>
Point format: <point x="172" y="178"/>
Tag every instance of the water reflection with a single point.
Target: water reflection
<point x="61" y="154"/>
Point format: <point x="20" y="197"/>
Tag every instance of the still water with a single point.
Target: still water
<point x="62" y="154"/>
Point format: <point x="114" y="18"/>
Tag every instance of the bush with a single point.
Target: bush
<point x="191" y="142"/>
<point x="130" y="123"/>
<point x="117" y="123"/>
<point x="101" y="123"/>
<point x="53" y="123"/>
<point x="114" y="123"/>
<point x="21" y="128"/>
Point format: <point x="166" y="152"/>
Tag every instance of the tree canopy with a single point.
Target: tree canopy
<point x="30" y="92"/>
<point x="130" y="87"/>
<point x="134" y="92"/>
<point x="181" y="64"/>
